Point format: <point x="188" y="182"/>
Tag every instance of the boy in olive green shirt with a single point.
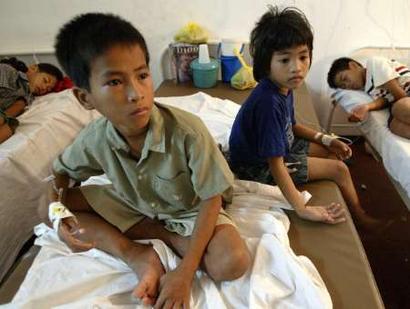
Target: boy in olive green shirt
<point x="168" y="176"/>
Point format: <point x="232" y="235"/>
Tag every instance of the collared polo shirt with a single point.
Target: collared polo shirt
<point x="180" y="164"/>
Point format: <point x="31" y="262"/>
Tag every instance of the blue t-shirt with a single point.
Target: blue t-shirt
<point x="263" y="126"/>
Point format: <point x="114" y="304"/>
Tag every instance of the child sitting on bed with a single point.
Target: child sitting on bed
<point x="169" y="178"/>
<point x="266" y="144"/>
<point x="386" y="81"/>
<point x="18" y="86"/>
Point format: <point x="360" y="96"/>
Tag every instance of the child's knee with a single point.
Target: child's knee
<point x="231" y="265"/>
<point x="341" y="169"/>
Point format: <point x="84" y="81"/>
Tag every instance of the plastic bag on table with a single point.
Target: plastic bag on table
<point x="191" y="33"/>
<point x="243" y="78"/>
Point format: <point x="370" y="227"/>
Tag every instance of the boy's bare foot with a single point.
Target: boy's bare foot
<point x="147" y="265"/>
<point x="370" y="224"/>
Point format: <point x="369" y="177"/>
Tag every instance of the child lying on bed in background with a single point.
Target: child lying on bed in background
<point x="386" y="81"/>
<point x="169" y="178"/>
<point x="266" y="144"/>
<point x="18" y="86"/>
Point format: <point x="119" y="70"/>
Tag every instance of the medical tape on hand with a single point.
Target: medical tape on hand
<point x="56" y="212"/>
<point x="327" y="139"/>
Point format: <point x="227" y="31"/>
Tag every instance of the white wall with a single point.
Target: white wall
<point x="340" y="26"/>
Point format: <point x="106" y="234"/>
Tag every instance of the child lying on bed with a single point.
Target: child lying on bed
<point x="266" y="144"/>
<point x="168" y="176"/>
<point x="386" y="81"/>
<point x="18" y="86"/>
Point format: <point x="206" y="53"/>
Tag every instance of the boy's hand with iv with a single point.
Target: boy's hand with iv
<point x="331" y="214"/>
<point x="340" y="149"/>
<point x="63" y="220"/>
<point x="70" y="232"/>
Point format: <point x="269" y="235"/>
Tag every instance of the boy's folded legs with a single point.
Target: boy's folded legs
<point x="226" y="256"/>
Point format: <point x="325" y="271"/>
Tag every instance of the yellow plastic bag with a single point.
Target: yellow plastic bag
<point x="191" y="33"/>
<point x="243" y="79"/>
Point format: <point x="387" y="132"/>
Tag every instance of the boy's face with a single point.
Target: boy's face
<point x="352" y="78"/>
<point x="289" y="67"/>
<point x="40" y="83"/>
<point x="121" y="89"/>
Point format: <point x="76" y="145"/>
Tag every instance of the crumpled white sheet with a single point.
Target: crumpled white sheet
<point x="278" y="278"/>
<point x="394" y="150"/>
<point x="217" y="114"/>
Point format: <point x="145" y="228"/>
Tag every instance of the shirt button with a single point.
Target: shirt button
<point x="153" y="205"/>
<point x="139" y="177"/>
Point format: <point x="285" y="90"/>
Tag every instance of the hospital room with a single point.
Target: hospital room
<point x="205" y="154"/>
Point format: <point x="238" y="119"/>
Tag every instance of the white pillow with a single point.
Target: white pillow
<point x="349" y="99"/>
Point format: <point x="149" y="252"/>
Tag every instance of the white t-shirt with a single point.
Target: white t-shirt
<point x="379" y="71"/>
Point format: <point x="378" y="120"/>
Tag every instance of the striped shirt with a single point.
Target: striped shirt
<point x="379" y="71"/>
<point x="13" y="86"/>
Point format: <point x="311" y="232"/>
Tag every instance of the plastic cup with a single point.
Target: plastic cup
<point x="203" y="56"/>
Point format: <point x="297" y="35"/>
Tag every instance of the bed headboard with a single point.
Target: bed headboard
<point x="401" y="54"/>
<point x="30" y="58"/>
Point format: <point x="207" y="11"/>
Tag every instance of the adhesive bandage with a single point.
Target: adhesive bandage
<point x="327" y="139"/>
<point x="56" y="212"/>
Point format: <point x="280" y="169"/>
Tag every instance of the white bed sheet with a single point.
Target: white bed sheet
<point x="46" y="128"/>
<point x="394" y="150"/>
<point x="217" y="114"/>
<point x="278" y="278"/>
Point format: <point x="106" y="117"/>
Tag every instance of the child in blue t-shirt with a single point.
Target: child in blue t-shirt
<point x="266" y="143"/>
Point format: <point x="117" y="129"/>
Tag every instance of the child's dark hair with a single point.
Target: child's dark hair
<point x="278" y="30"/>
<point x="88" y="36"/>
<point x="338" y="66"/>
<point x="15" y="63"/>
<point x="42" y="67"/>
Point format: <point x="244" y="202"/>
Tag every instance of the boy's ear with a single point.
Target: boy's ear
<point x="84" y="97"/>
<point x="353" y="65"/>
<point x="32" y="68"/>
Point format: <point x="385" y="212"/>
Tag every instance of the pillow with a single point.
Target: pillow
<point x="349" y="99"/>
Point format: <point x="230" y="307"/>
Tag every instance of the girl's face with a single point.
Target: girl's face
<point x="40" y="83"/>
<point x="289" y="67"/>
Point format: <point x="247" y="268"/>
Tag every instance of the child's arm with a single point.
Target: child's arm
<point x="176" y="284"/>
<point x="68" y="228"/>
<point x="340" y="149"/>
<point x="395" y="89"/>
<point x="14" y="109"/>
<point x="360" y="112"/>
<point x="328" y="214"/>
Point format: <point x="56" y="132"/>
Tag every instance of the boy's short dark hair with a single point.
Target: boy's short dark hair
<point x="50" y="69"/>
<point x="338" y="66"/>
<point x="88" y="36"/>
<point x="278" y="30"/>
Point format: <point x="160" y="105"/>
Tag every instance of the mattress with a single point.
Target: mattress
<point x="45" y="129"/>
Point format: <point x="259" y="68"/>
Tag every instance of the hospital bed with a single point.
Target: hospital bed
<point x="48" y="125"/>
<point x="340" y="267"/>
<point x="393" y="151"/>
